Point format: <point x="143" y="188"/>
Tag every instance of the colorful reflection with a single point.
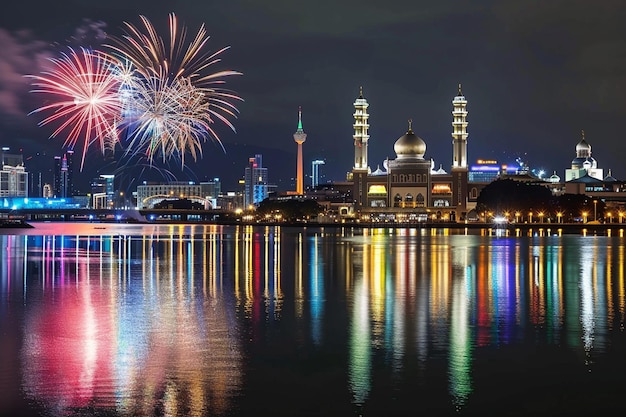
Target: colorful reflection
<point x="110" y="311"/>
<point x="177" y="320"/>
<point x="458" y="294"/>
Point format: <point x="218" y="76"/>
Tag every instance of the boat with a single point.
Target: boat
<point x="14" y="224"/>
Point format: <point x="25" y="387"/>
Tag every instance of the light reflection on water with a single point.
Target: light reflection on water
<point x="188" y="320"/>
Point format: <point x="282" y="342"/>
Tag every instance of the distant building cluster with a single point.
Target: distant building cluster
<point x="410" y="186"/>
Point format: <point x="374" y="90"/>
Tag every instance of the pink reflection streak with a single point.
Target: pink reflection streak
<point x="69" y="347"/>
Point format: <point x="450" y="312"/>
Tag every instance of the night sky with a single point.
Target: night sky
<point x="535" y="73"/>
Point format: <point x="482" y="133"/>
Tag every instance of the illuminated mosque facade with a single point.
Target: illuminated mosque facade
<point x="410" y="186"/>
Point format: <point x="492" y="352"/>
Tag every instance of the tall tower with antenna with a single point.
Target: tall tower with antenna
<point x="299" y="137"/>
<point x="459" y="152"/>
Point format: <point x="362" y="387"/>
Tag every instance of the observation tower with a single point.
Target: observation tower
<point x="299" y="137"/>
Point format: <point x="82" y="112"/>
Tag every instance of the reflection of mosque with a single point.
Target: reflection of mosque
<point x="410" y="185"/>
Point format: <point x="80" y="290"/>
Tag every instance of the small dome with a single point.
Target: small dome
<point x="378" y="172"/>
<point x="583" y="146"/>
<point x="410" y="145"/>
<point x="554" y="178"/>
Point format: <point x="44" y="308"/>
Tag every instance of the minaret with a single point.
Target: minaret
<point x="459" y="154"/>
<point x="459" y="131"/>
<point x="299" y="137"/>
<point x="361" y="135"/>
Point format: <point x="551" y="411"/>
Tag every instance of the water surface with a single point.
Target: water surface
<point x="202" y="320"/>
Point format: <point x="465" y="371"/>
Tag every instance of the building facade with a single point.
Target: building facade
<point x="64" y="175"/>
<point x="13" y="175"/>
<point x="584" y="164"/>
<point x="256" y="187"/>
<point x="410" y="187"/>
<point x="205" y="193"/>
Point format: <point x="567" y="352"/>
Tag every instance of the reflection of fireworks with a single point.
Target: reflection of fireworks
<point x="163" y="95"/>
<point x="86" y="98"/>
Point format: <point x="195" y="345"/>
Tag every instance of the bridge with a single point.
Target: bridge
<point x="118" y="215"/>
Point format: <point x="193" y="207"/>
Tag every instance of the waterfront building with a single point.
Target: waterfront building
<point x="205" y="193"/>
<point x="256" y="187"/>
<point x="409" y="187"/>
<point x="299" y="137"/>
<point x="584" y="164"/>
<point x="13" y="175"/>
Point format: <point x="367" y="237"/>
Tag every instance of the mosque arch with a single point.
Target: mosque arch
<point x="397" y="200"/>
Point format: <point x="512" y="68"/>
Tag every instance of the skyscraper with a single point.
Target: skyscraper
<point x="64" y="175"/>
<point x="315" y="172"/>
<point x="255" y="182"/>
<point x="299" y="137"/>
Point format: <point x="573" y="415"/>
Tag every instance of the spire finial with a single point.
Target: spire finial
<point x="410" y="124"/>
<point x="361" y="92"/>
<point x="460" y="92"/>
<point x="582" y="132"/>
<point x="299" y="117"/>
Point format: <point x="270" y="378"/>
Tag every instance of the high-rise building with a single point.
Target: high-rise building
<point x="13" y="175"/>
<point x="315" y="172"/>
<point x="255" y="182"/>
<point x="35" y="184"/>
<point x="299" y="136"/>
<point x="64" y="175"/>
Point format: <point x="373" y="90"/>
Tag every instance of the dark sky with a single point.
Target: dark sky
<point x="535" y="74"/>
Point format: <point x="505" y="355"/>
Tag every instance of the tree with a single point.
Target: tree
<point x="289" y="210"/>
<point x="510" y="195"/>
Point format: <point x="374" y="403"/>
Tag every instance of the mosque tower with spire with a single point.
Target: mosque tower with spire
<point x="299" y="136"/>
<point x="459" y="151"/>
<point x="361" y="136"/>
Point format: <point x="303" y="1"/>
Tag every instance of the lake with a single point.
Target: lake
<point x="210" y="320"/>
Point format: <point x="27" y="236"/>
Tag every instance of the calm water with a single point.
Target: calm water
<point x="192" y="320"/>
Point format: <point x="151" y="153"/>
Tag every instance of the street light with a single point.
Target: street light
<point x="595" y="204"/>
<point x="540" y="217"/>
<point x="620" y="214"/>
<point x="558" y="216"/>
<point x="609" y="215"/>
<point x="517" y="214"/>
<point x="530" y="216"/>
<point x="585" y="217"/>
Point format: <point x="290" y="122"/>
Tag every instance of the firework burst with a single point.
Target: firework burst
<point x="176" y="100"/>
<point x="86" y="97"/>
<point x="161" y="97"/>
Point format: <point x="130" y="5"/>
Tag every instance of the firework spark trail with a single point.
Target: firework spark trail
<point x="172" y="118"/>
<point x="162" y="96"/>
<point x="87" y="103"/>
<point x="176" y="102"/>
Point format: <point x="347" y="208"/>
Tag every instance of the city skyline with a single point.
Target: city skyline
<point x="535" y="76"/>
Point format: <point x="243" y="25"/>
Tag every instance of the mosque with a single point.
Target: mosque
<point x="409" y="187"/>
